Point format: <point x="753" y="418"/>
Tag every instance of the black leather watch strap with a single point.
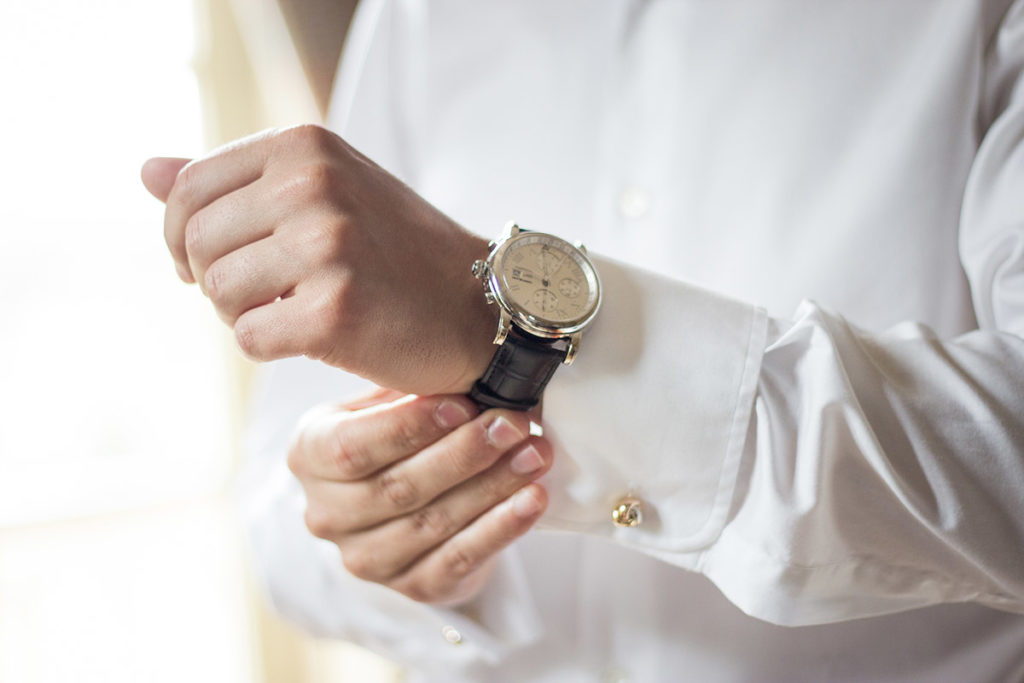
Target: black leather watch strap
<point x="519" y="371"/>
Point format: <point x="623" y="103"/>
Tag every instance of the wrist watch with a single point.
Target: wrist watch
<point x="547" y="291"/>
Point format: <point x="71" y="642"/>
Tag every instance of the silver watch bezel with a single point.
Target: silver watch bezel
<point x="495" y="290"/>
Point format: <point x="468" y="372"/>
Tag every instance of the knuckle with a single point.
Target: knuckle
<point x="434" y="521"/>
<point x="397" y="490"/>
<point x="360" y="564"/>
<point x="418" y="591"/>
<point x="299" y="449"/>
<point x="457" y="562"/>
<point x="319" y="522"/>
<point x="312" y="182"/>
<point x="406" y="433"/>
<point x="327" y="311"/>
<point x="329" y="243"/>
<point x="247" y="340"/>
<point x="318" y="177"/>
<point x="216" y="282"/>
<point x="325" y="320"/>
<point x="194" y="234"/>
<point x="329" y="239"/>
<point x="296" y="460"/>
<point x="349" y="461"/>
<point x="186" y="184"/>
<point x="313" y="133"/>
<point x="305" y="137"/>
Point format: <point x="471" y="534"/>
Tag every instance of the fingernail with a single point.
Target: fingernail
<point x="525" y="503"/>
<point x="450" y="414"/>
<point x="504" y="434"/>
<point x="526" y="461"/>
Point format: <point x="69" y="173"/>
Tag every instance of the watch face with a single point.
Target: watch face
<point x="547" y="280"/>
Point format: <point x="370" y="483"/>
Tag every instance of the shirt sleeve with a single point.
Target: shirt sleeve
<point x="814" y="471"/>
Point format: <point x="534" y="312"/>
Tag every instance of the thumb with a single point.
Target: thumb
<point x="159" y="173"/>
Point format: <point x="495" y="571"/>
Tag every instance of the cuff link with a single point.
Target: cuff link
<point x="628" y="512"/>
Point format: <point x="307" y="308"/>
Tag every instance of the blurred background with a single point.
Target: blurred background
<point x="122" y="397"/>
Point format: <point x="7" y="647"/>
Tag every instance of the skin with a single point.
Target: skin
<point x="419" y="493"/>
<point x="306" y="247"/>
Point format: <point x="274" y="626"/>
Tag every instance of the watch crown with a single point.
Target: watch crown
<point x="479" y="269"/>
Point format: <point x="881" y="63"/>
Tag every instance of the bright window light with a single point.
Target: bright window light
<point x="112" y="390"/>
<point x="119" y="560"/>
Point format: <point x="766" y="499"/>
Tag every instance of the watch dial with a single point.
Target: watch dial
<point x="548" y="279"/>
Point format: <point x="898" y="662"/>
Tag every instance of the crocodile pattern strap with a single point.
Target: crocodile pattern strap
<point x="519" y="371"/>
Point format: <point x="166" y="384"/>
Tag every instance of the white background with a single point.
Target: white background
<point x="119" y="557"/>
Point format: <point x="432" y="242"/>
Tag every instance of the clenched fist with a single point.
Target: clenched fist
<point x="306" y="247"/>
<point x="419" y="493"/>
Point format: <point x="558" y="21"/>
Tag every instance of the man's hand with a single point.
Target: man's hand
<point x="306" y="247"/>
<point x="419" y="493"/>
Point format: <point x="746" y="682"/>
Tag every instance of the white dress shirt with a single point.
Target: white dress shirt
<point x="808" y="217"/>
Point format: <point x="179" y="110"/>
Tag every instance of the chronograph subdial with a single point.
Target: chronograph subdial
<point x="569" y="287"/>
<point x="545" y="300"/>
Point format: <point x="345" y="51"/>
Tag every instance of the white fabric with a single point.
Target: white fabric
<point x="809" y="221"/>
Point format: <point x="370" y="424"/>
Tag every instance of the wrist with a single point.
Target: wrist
<point x="478" y="322"/>
<point x="547" y="291"/>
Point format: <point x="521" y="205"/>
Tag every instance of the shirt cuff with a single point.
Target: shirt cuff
<point x="656" y="406"/>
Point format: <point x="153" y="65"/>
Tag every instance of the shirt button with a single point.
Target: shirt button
<point x="452" y="635"/>
<point x="634" y="202"/>
<point x="628" y="512"/>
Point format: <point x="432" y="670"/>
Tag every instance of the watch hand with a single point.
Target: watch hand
<point x="546" y="267"/>
<point x="560" y="264"/>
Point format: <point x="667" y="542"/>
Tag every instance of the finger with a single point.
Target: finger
<point x="280" y="329"/>
<point x="201" y="181"/>
<point x="381" y="553"/>
<point x="251" y="276"/>
<point x="326" y="415"/>
<point x="373" y="397"/>
<point x="415" y="481"/>
<point x="158" y="175"/>
<point x="439" y="575"/>
<point x="226" y="224"/>
<point x="351" y="446"/>
<point x="305" y="322"/>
